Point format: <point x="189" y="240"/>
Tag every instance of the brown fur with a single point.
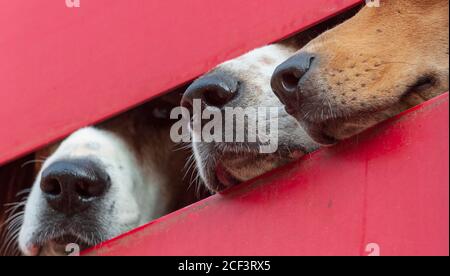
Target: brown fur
<point x="377" y="64"/>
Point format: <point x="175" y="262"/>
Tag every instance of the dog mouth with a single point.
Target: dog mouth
<point x="62" y="239"/>
<point x="224" y="178"/>
<point x="226" y="169"/>
<point x="333" y="129"/>
<point x="219" y="176"/>
<point x="317" y="131"/>
<point x="60" y="245"/>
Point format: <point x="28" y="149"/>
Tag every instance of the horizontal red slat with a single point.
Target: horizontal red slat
<point x="388" y="186"/>
<point x="63" y="68"/>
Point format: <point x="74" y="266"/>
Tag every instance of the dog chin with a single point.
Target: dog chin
<point x="224" y="178"/>
<point x="218" y="177"/>
<point x="236" y="167"/>
<point x="332" y="131"/>
<point x="317" y="132"/>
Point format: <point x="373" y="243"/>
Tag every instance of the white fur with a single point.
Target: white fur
<point x="252" y="62"/>
<point x="136" y="200"/>
<point x="253" y="71"/>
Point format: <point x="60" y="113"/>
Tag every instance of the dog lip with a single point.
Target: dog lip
<point x="218" y="178"/>
<point x="224" y="177"/>
<point x="290" y="110"/>
<point x="317" y="133"/>
<point x="324" y="139"/>
<point x="314" y="129"/>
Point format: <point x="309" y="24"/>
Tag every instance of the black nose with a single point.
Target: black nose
<point x="215" y="89"/>
<point x="287" y="77"/>
<point x="70" y="187"/>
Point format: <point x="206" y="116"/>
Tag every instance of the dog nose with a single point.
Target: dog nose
<point x="287" y="78"/>
<point x="215" y="89"/>
<point x="70" y="187"/>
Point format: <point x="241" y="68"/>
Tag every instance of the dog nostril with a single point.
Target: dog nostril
<point x="51" y="187"/>
<point x="92" y="189"/>
<point x="290" y="81"/>
<point x="287" y="80"/>
<point x="216" y="89"/>
<point x="218" y="96"/>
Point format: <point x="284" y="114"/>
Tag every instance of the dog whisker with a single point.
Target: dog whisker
<point x="31" y="162"/>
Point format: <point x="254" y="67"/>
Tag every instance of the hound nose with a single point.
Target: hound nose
<point x="286" y="80"/>
<point x="216" y="90"/>
<point x="70" y="187"/>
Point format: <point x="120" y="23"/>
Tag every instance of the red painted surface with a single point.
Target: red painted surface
<point x="63" y="68"/>
<point x="388" y="186"/>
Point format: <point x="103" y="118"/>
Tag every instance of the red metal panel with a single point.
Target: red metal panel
<point x="64" y="68"/>
<point x="388" y="186"/>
